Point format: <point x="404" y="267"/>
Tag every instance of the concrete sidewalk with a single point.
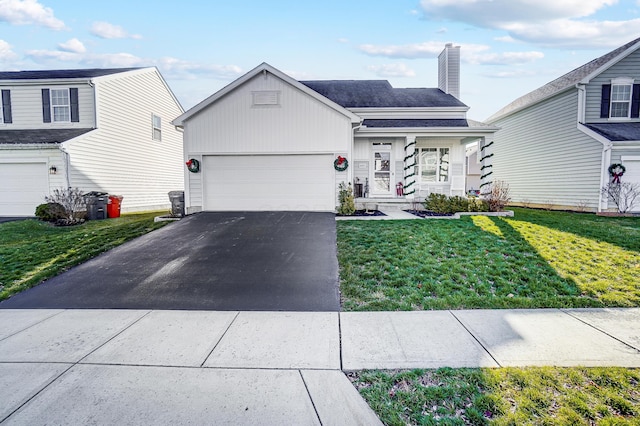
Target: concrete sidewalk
<point x="203" y="367"/>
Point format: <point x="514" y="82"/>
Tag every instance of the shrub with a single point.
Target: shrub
<point x="347" y="205"/>
<point x="73" y="205"/>
<point x="50" y="212"/>
<point x="497" y="196"/>
<point x="625" y="195"/>
<point x="438" y="203"/>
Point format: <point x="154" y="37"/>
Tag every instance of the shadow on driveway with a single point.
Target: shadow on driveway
<point x="272" y="261"/>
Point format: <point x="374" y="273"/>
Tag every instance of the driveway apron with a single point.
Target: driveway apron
<point x="270" y="261"/>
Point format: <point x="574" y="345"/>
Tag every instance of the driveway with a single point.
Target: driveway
<point x="272" y="261"/>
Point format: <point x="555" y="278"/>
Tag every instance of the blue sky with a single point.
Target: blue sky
<point x="508" y="47"/>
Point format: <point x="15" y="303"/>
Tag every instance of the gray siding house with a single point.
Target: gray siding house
<point x="556" y="144"/>
<point x="270" y="142"/>
<point x="106" y="130"/>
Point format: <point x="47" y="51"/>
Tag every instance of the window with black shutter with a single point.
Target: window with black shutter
<point x="6" y="107"/>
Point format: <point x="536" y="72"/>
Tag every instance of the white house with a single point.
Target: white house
<point x="557" y="143"/>
<point x="106" y="130"/>
<point x="270" y="142"/>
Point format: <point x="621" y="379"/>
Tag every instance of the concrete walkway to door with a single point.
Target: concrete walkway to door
<point x="271" y="368"/>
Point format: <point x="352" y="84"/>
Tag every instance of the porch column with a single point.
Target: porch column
<point x="410" y="167"/>
<point x="485" y="152"/>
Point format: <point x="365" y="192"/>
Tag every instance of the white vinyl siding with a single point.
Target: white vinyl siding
<point x="629" y="67"/>
<point x="269" y="182"/>
<point x="120" y="156"/>
<point x="26" y="107"/>
<point x="544" y="158"/>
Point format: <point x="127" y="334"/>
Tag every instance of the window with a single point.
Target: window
<point x="60" y="105"/>
<point x="156" y="122"/>
<point x="620" y="100"/>
<point x="433" y="164"/>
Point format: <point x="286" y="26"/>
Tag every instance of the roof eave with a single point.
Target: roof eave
<point x="610" y="63"/>
<point x="495" y="118"/>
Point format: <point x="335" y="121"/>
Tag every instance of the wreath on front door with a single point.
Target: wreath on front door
<point x="616" y="171"/>
<point x="193" y="165"/>
<point x="340" y="164"/>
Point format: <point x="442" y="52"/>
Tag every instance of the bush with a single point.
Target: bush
<point x="50" y="212"/>
<point x="625" y="195"/>
<point x="497" y="196"/>
<point x="73" y="205"/>
<point x="347" y="205"/>
<point x="441" y="204"/>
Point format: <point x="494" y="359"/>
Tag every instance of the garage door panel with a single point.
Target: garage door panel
<point x="267" y="182"/>
<point x="632" y="175"/>
<point x="23" y="186"/>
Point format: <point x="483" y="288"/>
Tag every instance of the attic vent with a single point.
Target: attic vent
<point x="263" y="98"/>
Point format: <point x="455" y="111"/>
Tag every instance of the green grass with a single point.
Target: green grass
<point x="533" y="260"/>
<point x="32" y="251"/>
<point x="505" y="396"/>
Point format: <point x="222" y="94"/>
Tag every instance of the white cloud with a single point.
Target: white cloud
<point x="551" y="23"/>
<point x="441" y="30"/>
<point x="29" y="12"/>
<point x="5" y="51"/>
<point x="430" y="49"/>
<point x="512" y="74"/>
<point x="504" y="58"/>
<point x="343" y="40"/>
<point x="188" y="70"/>
<point x="107" y="30"/>
<point x="392" y="70"/>
<point x="73" y="45"/>
<point x="505" y="39"/>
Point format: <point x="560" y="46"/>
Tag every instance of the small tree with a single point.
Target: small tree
<point x="497" y="196"/>
<point x="347" y="205"/>
<point x="625" y="195"/>
<point x="72" y="202"/>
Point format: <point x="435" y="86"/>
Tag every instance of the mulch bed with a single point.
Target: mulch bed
<point x="427" y="213"/>
<point x="364" y="213"/>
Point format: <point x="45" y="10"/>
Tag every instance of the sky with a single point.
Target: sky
<point x="508" y="47"/>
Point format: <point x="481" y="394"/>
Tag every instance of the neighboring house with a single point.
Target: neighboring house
<point x="106" y="130"/>
<point x="270" y="142"/>
<point x="557" y="143"/>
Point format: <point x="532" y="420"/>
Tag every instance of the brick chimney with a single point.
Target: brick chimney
<point x="449" y="70"/>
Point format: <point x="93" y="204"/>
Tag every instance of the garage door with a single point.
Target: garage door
<point x="22" y="187"/>
<point x="269" y="182"/>
<point x="632" y="174"/>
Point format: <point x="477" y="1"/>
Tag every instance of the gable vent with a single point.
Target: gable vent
<point x="266" y="98"/>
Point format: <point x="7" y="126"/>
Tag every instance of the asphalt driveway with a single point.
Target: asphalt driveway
<point x="272" y="261"/>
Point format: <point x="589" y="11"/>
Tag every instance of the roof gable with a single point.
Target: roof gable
<point x="263" y="68"/>
<point x="380" y="94"/>
<point x="62" y="74"/>
<point x="582" y="74"/>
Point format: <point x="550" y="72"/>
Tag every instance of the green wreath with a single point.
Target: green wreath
<point x="616" y="170"/>
<point x="193" y="165"/>
<point x="340" y="164"/>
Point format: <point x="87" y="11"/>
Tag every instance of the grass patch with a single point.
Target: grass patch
<point x="537" y="259"/>
<point x="32" y="251"/>
<point x="504" y="396"/>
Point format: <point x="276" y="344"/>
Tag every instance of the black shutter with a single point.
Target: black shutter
<point x="46" y="107"/>
<point x="6" y="106"/>
<point x="635" y="101"/>
<point x="605" y="101"/>
<point x="73" y="94"/>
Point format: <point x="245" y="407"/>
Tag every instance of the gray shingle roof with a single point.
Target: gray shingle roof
<point x="561" y="83"/>
<point x="380" y="94"/>
<point x="417" y="123"/>
<point x="51" y="74"/>
<point x="617" y="131"/>
<point x="39" y="136"/>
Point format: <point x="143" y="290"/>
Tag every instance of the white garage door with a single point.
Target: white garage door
<point x="269" y="182"/>
<point x="632" y="174"/>
<point x="22" y="187"/>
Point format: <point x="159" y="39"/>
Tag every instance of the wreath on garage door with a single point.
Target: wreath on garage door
<point x="340" y="164"/>
<point x="193" y="165"/>
<point x="616" y="170"/>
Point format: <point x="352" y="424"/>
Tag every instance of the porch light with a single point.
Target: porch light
<point x="53" y="170"/>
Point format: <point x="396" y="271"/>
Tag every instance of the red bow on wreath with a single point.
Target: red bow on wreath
<point x="341" y="160"/>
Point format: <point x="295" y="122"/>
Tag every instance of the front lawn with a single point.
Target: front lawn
<point x="533" y="260"/>
<point x="32" y="251"/>
<point x="503" y="396"/>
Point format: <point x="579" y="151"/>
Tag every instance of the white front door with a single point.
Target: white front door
<point x="382" y="173"/>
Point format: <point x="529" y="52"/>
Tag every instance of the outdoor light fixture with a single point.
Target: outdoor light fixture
<point x="53" y="170"/>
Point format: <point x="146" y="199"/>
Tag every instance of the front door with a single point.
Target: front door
<point x="382" y="174"/>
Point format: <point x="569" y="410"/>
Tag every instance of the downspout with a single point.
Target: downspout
<point x="67" y="164"/>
